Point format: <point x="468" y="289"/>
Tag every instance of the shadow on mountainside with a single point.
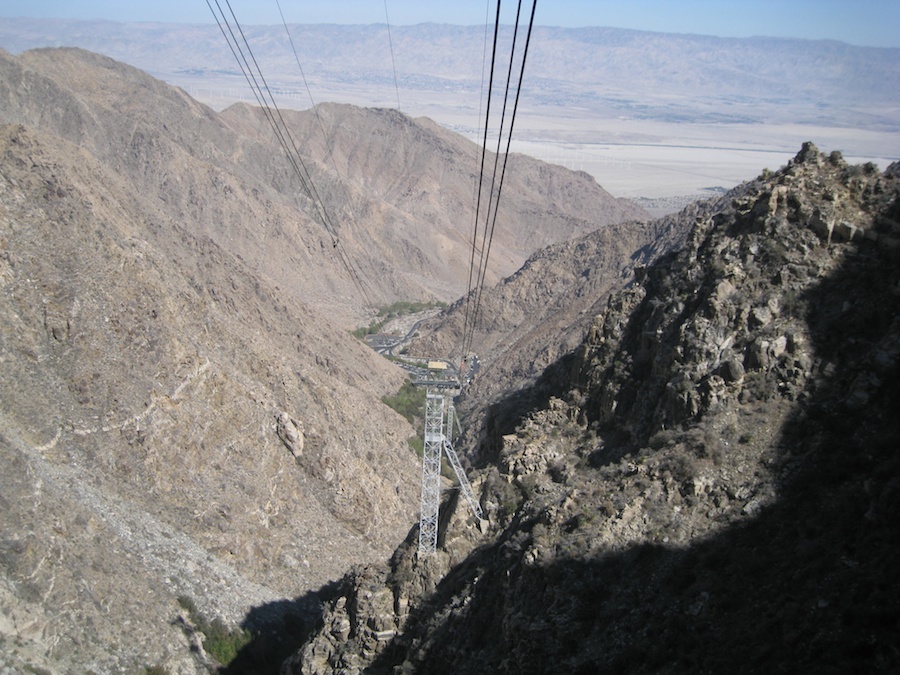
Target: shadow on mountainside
<point x="507" y="414"/>
<point x="278" y="630"/>
<point x="809" y="584"/>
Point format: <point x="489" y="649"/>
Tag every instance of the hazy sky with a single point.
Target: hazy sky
<point x="861" y="22"/>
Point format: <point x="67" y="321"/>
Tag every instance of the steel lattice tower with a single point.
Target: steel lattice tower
<point x="431" y="470"/>
<point x="439" y="420"/>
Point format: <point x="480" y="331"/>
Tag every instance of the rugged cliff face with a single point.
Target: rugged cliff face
<point x="709" y="483"/>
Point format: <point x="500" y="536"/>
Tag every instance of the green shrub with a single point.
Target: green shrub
<point x="221" y="642"/>
<point x="400" y="308"/>
<point x="37" y="670"/>
<point x="187" y="604"/>
<point x="417" y="443"/>
<point x="446" y="470"/>
<point x="404" y="307"/>
<point x="409" y="401"/>
<point x="362" y="331"/>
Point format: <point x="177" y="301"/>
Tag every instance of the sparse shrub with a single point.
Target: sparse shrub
<point x="417" y="444"/>
<point x="776" y="252"/>
<point x="712" y="446"/>
<point x="541" y="536"/>
<point x="447" y="470"/>
<point x="37" y="670"/>
<point x="662" y="438"/>
<point x="509" y="501"/>
<point x="403" y="307"/>
<point x="221" y="642"/>
<point x="400" y="576"/>
<point x="641" y="483"/>
<point x="409" y="401"/>
<point x="187" y="604"/>
<point x="791" y="303"/>
<point x="505" y="494"/>
<point x="607" y="508"/>
<point x="362" y="331"/>
<point x="155" y="670"/>
<point x="681" y="466"/>
<point x="760" y="386"/>
<point x="529" y="484"/>
<point x="385" y="314"/>
<point x="558" y="471"/>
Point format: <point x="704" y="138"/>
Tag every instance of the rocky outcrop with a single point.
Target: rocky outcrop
<point x="722" y="320"/>
<point x="290" y="431"/>
<point x="712" y="486"/>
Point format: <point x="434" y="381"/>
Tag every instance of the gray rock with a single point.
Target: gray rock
<point x="290" y="431"/>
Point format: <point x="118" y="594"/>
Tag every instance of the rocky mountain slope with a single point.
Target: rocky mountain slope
<point x="144" y="369"/>
<point x="708" y="483"/>
<point x="533" y="317"/>
<point x="412" y="186"/>
<point x="402" y="208"/>
<point x="183" y="414"/>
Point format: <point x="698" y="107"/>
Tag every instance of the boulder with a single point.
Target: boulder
<point x="290" y="431"/>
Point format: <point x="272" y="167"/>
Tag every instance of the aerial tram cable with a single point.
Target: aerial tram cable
<point x="315" y="109"/>
<point x="493" y="221"/>
<point x="476" y="186"/>
<point x="393" y="63"/>
<point x="485" y="247"/>
<point x="473" y="299"/>
<point x="264" y="97"/>
<point x="263" y="94"/>
<point x="253" y="75"/>
<point x="465" y="347"/>
<point x="336" y="241"/>
<point x="490" y="221"/>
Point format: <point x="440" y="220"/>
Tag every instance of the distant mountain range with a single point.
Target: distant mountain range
<point x="648" y="115"/>
<point x="617" y="72"/>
